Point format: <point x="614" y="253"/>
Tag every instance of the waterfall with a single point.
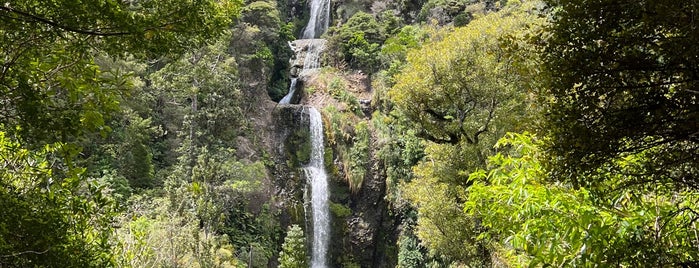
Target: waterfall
<point x="310" y="46"/>
<point x="311" y="62"/>
<point x="292" y="89"/>
<point x="318" y="178"/>
<point x="307" y="58"/>
<point x="306" y="62"/>
<point x="319" y="20"/>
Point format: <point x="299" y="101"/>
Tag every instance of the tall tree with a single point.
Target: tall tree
<point x="461" y="93"/>
<point x="44" y="221"/>
<point x="50" y="87"/>
<point x="625" y="80"/>
<point x="467" y="85"/>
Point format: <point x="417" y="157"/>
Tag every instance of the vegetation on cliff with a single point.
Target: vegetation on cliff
<point x="458" y="134"/>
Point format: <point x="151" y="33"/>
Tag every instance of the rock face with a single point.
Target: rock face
<point x="288" y="145"/>
<point x="367" y="236"/>
<point x="363" y="231"/>
<point x="373" y="236"/>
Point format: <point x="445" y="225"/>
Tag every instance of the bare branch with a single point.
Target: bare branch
<point x="25" y="252"/>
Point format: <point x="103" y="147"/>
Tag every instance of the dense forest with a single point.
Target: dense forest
<point x="460" y="133"/>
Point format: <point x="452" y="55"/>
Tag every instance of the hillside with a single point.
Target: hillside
<point x="350" y="133"/>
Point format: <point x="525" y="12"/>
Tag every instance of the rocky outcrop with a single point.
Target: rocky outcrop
<point x="288" y="144"/>
<point x="367" y="236"/>
<point x="306" y="56"/>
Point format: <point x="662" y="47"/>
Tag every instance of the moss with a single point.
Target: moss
<point x="340" y="210"/>
<point x="328" y="157"/>
<point x="296" y="212"/>
<point x="299" y="146"/>
<point x="348" y="262"/>
<point x="350" y="140"/>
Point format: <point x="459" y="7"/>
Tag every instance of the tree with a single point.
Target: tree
<point x="461" y="93"/>
<point x="533" y="222"/>
<point x="293" y="253"/>
<point x="624" y="81"/>
<point x="50" y="86"/>
<point x="202" y="86"/>
<point x="55" y="94"/>
<point x="468" y="85"/>
<point x="357" y="42"/>
<point x="51" y="216"/>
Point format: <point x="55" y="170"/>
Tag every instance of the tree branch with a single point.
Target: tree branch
<point x="484" y="128"/>
<point x="25" y="252"/>
<point x="453" y="138"/>
<point x="60" y="26"/>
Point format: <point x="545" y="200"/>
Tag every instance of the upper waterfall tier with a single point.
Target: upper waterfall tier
<point x="319" y="19"/>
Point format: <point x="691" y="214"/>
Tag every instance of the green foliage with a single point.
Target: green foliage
<point x="69" y="75"/>
<point x="135" y="158"/>
<point x="409" y="254"/>
<point x="203" y="85"/>
<point x="210" y="210"/>
<point x="293" y="253"/>
<point x="350" y="138"/>
<point x="441" y="226"/>
<point x="339" y="210"/>
<point x="623" y="80"/>
<point x="538" y="223"/>
<point x="157" y="236"/>
<point x="459" y="94"/>
<point x="460" y="12"/>
<point x="350" y="263"/>
<point x="116" y="186"/>
<point x="203" y="219"/>
<point x="338" y="90"/>
<point x="266" y="16"/>
<point x="462" y="19"/>
<point x="359" y="156"/>
<point x="51" y="87"/>
<point x="467" y="85"/>
<point x="261" y="46"/>
<point x="299" y="145"/>
<point x="52" y="215"/>
<point x="357" y="42"/>
<point x="395" y="49"/>
<point x="398" y="150"/>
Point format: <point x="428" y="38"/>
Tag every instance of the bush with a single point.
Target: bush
<point x="293" y="253"/>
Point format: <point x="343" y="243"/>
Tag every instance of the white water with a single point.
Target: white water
<point x="319" y="20"/>
<point x="292" y="89"/>
<point x="315" y="170"/>
<point x="318" y="178"/>
<point x="317" y="25"/>
<point x="311" y="62"/>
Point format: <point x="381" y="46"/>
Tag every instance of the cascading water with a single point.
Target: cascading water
<point x="312" y="60"/>
<point x="315" y="170"/>
<point x="319" y="19"/>
<point x="306" y="62"/>
<point x="317" y="25"/>
<point x="317" y="177"/>
<point x="292" y="89"/>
